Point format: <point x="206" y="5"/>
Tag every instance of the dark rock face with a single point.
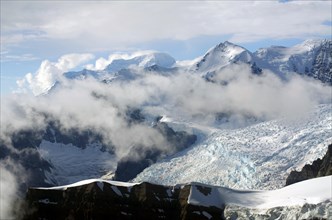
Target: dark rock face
<point x="322" y="66"/>
<point x="20" y="153"/>
<point x="105" y="200"/>
<point x="128" y="167"/>
<point x="134" y="116"/>
<point x="22" y="150"/>
<point x="319" y="168"/>
<point x="21" y="157"/>
<point x="255" y="69"/>
<point x="77" y="137"/>
<point x="179" y="139"/>
<point x="140" y="158"/>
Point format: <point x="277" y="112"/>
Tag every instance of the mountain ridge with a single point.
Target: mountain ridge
<point x="311" y="58"/>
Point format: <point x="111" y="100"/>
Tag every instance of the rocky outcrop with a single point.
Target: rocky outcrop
<point x="319" y="211"/>
<point x="116" y="200"/>
<point x="21" y="157"/>
<point x="322" y="65"/>
<point x="131" y="165"/>
<point x="319" y="168"/>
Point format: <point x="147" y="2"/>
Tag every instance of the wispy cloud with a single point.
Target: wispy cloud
<point x="101" y="24"/>
<point x="18" y="58"/>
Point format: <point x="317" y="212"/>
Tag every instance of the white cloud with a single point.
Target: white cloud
<point x="101" y="24"/>
<point x="183" y="95"/>
<point x="69" y="61"/>
<point x="101" y="62"/>
<point x="50" y="72"/>
<point x="8" y="193"/>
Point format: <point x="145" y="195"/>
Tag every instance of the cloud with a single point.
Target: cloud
<point x="91" y="105"/>
<point x="187" y="94"/>
<point x="131" y="23"/>
<point x="51" y="72"/>
<point x="17" y="58"/>
<point x="101" y="63"/>
<point x="8" y="191"/>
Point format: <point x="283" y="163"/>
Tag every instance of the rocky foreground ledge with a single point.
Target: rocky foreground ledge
<point x="100" y="199"/>
<point x="117" y="200"/>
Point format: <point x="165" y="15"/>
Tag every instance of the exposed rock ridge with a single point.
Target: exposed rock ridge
<point x="103" y="200"/>
<point x="319" y="168"/>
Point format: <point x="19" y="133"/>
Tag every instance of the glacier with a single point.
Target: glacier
<point x="259" y="156"/>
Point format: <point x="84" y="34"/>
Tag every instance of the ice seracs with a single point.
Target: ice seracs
<point x="259" y="156"/>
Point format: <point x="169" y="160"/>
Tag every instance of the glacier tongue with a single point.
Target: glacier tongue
<point x="255" y="157"/>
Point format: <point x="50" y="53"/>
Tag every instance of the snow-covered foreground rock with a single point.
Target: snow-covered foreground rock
<point x="311" y="191"/>
<point x="254" y="157"/>
<point x="97" y="198"/>
<point x="308" y="211"/>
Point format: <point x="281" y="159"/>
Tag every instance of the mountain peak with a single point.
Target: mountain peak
<point x="230" y="43"/>
<point x="313" y="42"/>
<point x="227" y="44"/>
<point x="223" y="54"/>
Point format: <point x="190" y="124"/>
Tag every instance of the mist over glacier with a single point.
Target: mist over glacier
<point x="90" y="104"/>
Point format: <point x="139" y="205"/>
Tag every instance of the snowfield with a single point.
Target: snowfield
<point x="100" y="182"/>
<point x="259" y="156"/>
<point x="311" y="191"/>
<point x="304" y="200"/>
<point x="72" y="164"/>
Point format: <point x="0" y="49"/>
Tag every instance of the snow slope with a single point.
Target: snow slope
<point x="122" y="67"/>
<point x="311" y="191"/>
<point x="300" y="58"/>
<point x="311" y="58"/>
<point x="71" y="163"/>
<point x="222" y="55"/>
<point x="88" y="181"/>
<point x="141" y="60"/>
<point x="309" y="199"/>
<point x="259" y="156"/>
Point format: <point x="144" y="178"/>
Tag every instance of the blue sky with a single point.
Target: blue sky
<point x="34" y="31"/>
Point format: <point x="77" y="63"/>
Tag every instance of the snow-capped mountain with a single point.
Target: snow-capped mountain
<point x="124" y="68"/>
<point x="222" y="55"/>
<point x="312" y="58"/>
<point x="144" y="60"/>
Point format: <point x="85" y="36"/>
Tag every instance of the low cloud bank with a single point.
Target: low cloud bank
<point x="90" y="104"/>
